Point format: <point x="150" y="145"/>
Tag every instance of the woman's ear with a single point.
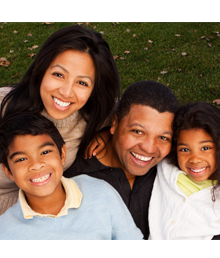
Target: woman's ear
<point x="7" y="172"/>
<point x="63" y="155"/>
<point x="114" y="124"/>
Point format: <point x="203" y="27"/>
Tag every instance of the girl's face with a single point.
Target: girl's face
<point x="67" y="83"/>
<point x="196" y="154"/>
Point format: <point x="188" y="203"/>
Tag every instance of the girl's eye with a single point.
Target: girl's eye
<point x="58" y="75"/>
<point x="205" y="148"/>
<point x="45" y="152"/>
<point x="83" y="83"/>
<point x="184" y="150"/>
<point x="20" y="160"/>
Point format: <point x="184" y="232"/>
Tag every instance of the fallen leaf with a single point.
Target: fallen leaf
<point x="94" y="27"/>
<point x="195" y="30"/>
<point x="203" y="37"/>
<point x="146" y="60"/>
<point x="216" y="32"/>
<point x="207" y="39"/>
<point x="30" y="48"/>
<point x="168" y="84"/>
<point x="218" y="35"/>
<point x="32" y="54"/>
<point x="101" y="32"/>
<point x="200" y="75"/>
<point x="15" y="31"/>
<point x="115" y="57"/>
<point x="14" y="76"/>
<point x="149" y="45"/>
<point x="209" y="44"/>
<point x="163" y="72"/>
<point x="184" y="53"/>
<point x="26" y="41"/>
<point x="212" y="37"/>
<point x="158" y="78"/>
<point x="79" y="23"/>
<point x="29" y="34"/>
<point x="35" y="46"/>
<point x="217" y="101"/>
<point x="173" y="49"/>
<point x="88" y="23"/>
<point x="177" y="35"/>
<point x="145" y="48"/>
<point x="179" y="69"/>
<point x="47" y="23"/>
<point x="122" y="58"/>
<point x="128" y="30"/>
<point x="134" y="35"/>
<point x="150" y="41"/>
<point x="4" y="62"/>
<point x="2" y="27"/>
<point x="127" y="52"/>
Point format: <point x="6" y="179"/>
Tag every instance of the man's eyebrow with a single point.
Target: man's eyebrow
<point x="23" y="153"/>
<point x="136" y="124"/>
<point x="57" y="65"/>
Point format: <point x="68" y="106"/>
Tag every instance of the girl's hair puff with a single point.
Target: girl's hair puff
<point x="198" y="115"/>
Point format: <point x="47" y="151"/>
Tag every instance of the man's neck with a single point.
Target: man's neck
<point x="51" y="204"/>
<point x="109" y="158"/>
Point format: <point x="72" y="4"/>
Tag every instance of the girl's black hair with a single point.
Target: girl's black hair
<point x="198" y="115"/>
<point x="25" y="96"/>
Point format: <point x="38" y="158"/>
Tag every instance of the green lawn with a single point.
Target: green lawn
<point x="154" y="48"/>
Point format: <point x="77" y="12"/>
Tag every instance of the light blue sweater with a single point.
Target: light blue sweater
<point x="102" y="215"/>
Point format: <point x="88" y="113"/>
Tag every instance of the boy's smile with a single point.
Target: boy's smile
<point x="36" y="165"/>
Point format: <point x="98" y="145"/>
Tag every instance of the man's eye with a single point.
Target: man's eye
<point x="137" y="131"/>
<point x="45" y="152"/>
<point x="164" y="138"/>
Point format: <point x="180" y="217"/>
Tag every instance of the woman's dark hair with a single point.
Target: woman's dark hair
<point x="25" y="96"/>
<point x="198" y="115"/>
<point x="25" y="124"/>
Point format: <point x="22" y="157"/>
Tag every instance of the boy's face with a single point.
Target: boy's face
<point x="35" y="164"/>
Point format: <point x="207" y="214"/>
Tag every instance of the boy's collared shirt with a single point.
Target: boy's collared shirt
<point x="73" y="200"/>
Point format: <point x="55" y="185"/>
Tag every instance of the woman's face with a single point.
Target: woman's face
<point x="67" y="83"/>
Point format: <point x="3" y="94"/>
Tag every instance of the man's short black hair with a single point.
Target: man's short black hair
<point x="25" y="124"/>
<point x="147" y="93"/>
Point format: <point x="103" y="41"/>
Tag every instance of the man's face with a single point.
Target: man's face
<point x="141" y="139"/>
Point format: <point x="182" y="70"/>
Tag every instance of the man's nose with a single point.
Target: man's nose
<point x="148" y="145"/>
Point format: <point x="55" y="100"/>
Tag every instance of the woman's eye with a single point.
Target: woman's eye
<point x="83" y="83"/>
<point x="45" y="152"/>
<point x="58" y="75"/>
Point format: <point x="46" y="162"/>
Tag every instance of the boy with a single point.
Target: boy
<point x="32" y="153"/>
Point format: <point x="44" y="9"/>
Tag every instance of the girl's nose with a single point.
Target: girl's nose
<point x="195" y="159"/>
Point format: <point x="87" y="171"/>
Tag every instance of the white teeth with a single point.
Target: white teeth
<point x="141" y="157"/>
<point x="61" y="103"/>
<point x="198" y="170"/>
<point x="41" y="179"/>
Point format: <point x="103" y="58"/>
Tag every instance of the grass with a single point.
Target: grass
<point x="194" y="77"/>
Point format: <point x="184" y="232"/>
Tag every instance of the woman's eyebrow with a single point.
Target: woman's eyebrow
<point x="57" y="65"/>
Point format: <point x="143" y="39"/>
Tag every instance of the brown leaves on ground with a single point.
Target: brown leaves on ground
<point x="127" y="52"/>
<point x="115" y="57"/>
<point x="217" y="101"/>
<point x="47" y="23"/>
<point x="163" y="72"/>
<point x="4" y="62"/>
<point x="16" y="75"/>
<point x="32" y="54"/>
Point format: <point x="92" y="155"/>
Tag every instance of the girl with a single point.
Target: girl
<point x="184" y="202"/>
<point x="74" y="82"/>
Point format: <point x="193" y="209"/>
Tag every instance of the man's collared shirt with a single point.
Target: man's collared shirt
<point x="73" y="200"/>
<point x="137" y="199"/>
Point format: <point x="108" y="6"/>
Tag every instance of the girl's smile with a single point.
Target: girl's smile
<point x="196" y="154"/>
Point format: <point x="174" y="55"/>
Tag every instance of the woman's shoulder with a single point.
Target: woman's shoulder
<point x="4" y="91"/>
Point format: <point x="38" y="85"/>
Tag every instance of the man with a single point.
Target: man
<point x="141" y="137"/>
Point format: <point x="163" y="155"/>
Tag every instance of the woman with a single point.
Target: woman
<point x="73" y="82"/>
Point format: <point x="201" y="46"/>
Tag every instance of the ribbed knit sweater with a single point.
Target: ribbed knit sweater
<point x="71" y="129"/>
<point x="102" y="215"/>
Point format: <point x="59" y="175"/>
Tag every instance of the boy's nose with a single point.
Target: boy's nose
<point x="36" y="165"/>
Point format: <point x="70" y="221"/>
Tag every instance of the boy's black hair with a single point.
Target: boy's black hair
<point x="24" y="124"/>
<point x="147" y="93"/>
<point x="198" y="115"/>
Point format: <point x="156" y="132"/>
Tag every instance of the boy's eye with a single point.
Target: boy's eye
<point x="83" y="83"/>
<point x="45" y="152"/>
<point x="19" y="160"/>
